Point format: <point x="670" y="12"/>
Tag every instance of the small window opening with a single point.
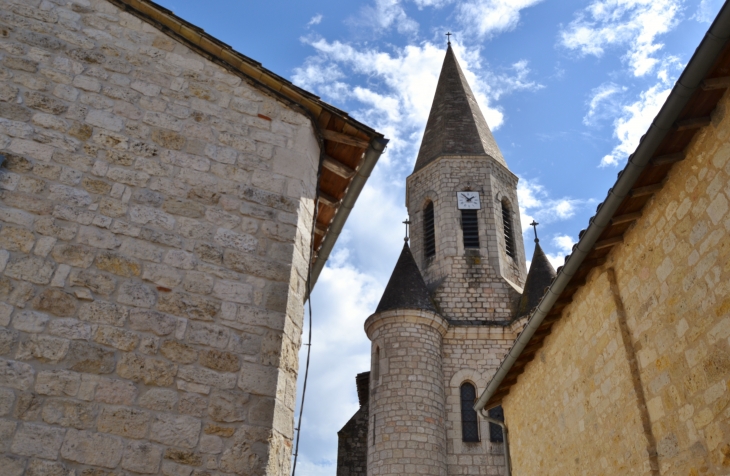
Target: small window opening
<point x="376" y="365"/>
<point x="509" y="237"/>
<point x="495" y="431"/>
<point x="429" y="235"/>
<point x="470" y="228"/>
<point x="469" y="421"/>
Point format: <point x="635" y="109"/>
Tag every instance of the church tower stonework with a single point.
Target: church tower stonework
<point x="457" y="299"/>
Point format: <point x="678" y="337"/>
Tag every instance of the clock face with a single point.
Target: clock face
<point x="468" y="200"/>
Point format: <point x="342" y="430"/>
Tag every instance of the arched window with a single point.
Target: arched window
<point x="495" y="431"/>
<point x="470" y="228"/>
<point x="469" y="421"/>
<point x="376" y="365"/>
<point x="509" y="237"/>
<point x="429" y="235"/>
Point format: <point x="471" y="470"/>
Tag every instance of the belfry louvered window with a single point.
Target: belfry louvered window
<point x="469" y="421"/>
<point x="509" y="237"/>
<point x="470" y="228"/>
<point x="495" y="431"/>
<point x="429" y="235"/>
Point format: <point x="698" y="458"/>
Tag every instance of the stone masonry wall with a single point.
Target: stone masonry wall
<point x="467" y="284"/>
<point x="636" y="375"/>
<point x="155" y="222"/>
<point x="472" y="354"/>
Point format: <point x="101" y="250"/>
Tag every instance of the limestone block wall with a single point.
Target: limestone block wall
<point x="472" y="354"/>
<point x="406" y="424"/>
<point x="467" y="284"/>
<point x="635" y="377"/>
<point x="155" y="223"/>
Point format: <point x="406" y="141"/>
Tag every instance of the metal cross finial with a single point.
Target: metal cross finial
<point x="448" y="37"/>
<point x="534" y="225"/>
<point x="406" y="223"/>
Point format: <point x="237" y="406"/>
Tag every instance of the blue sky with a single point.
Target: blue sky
<point x="567" y="86"/>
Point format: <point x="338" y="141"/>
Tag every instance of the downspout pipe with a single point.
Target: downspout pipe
<point x="507" y="461"/>
<point x="699" y="65"/>
<point x="372" y="154"/>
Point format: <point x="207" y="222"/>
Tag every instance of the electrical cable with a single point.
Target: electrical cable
<point x="298" y="429"/>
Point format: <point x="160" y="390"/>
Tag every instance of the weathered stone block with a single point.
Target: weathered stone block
<point x="162" y="275"/>
<point x="150" y="371"/>
<point x="228" y="407"/>
<point x="152" y="321"/>
<point x="142" y="457"/>
<point x="207" y="334"/>
<point x="7" y="398"/>
<point x="94" y="449"/>
<point x="38" y="467"/>
<point x="218" y="360"/>
<point x="178" y="352"/>
<point x="90" y="358"/>
<point x="175" y="430"/>
<point x="238" y="241"/>
<point x="136" y="294"/>
<point x="258" y="379"/>
<point x="38" y="440"/>
<point x="58" y="383"/>
<point x="56" y="302"/>
<point x="16" y="239"/>
<point x="32" y="268"/>
<point x="115" y="337"/>
<point x="12" y="465"/>
<point x="192" y="404"/>
<point x="123" y="421"/>
<point x="188" y="305"/>
<point x="115" y="392"/>
<point x="74" y="255"/>
<point x="8" y="339"/>
<point x="159" y="399"/>
<point x="183" y="457"/>
<point x="209" y="377"/>
<point x="69" y="329"/>
<point x="96" y="282"/>
<point x="101" y="312"/>
<point x="118" y="264"/>
<point x="30" y="321"/>
<point x="43" y="348"/>
<point x="198" y="282"/>
<point x="233" y="291"/>
<point x="17" y="375"/>
<point x="70" y="413"/>
<point x="93" y="236"/>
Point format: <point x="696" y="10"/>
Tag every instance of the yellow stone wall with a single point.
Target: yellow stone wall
<point x="635" y="377"/>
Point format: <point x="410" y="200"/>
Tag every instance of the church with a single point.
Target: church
<point x="618" y="363"/>
<point x="457" y="299"/>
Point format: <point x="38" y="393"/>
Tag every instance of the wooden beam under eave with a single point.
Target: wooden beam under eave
<point x="625" y="218"/>
<point x="715" y="83"/>
<point x="320" y="229"/>
<point x="648" y="190"/>
<point x="345" y="139"/>
<point x="337" y="167"/>
<point x="609" y="242"/>
<point x="328" y="200"/>
<point x="692" y="123"/>
<point x="668" y="158"/>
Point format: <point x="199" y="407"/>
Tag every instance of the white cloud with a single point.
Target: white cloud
<point x="316" y="20"/>
<point x="707" y="10"/>
<point x="632" y="23"/>
<point x="490" y="17"/>
<point x="601" y="102"/>
<point x="564" y="243"/>
<point x="385" y="14"/>
<point x="535" y="203"/>
<point x="634" y="122"/>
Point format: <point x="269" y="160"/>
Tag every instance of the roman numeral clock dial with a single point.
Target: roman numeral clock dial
<point x="468" y="200"/>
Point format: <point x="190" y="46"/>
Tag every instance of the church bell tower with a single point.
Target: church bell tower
<point x="462" y="204"/>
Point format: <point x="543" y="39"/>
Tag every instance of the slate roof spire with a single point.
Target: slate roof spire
<point x="539" y="277"/>
<point x="456" y="125"/>
<point x="406" y="288"/>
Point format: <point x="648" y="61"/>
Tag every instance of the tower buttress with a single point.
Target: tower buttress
<point x="462" y="203"/>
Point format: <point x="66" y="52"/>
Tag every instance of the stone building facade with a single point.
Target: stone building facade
<point x="451" y="308"/>
<point x="156" y="221"/>
<point x="627" y="370"/>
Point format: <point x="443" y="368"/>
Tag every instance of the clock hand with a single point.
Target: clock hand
<point x="468" y="199"/>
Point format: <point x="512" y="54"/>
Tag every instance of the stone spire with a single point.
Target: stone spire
<point x="455" y="125"/>
<point x="406" y="288"/>
<point x="539" y="277"/>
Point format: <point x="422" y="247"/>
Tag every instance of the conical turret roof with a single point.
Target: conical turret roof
<point x="539" y="277"/>
<point x="406" y="288"/>
<point x="456" y="125"/>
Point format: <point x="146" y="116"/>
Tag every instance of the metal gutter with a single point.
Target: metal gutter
<point x="505" y="437"/>
<point x="372" y="154"/>
<point x="699" y="65"/>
